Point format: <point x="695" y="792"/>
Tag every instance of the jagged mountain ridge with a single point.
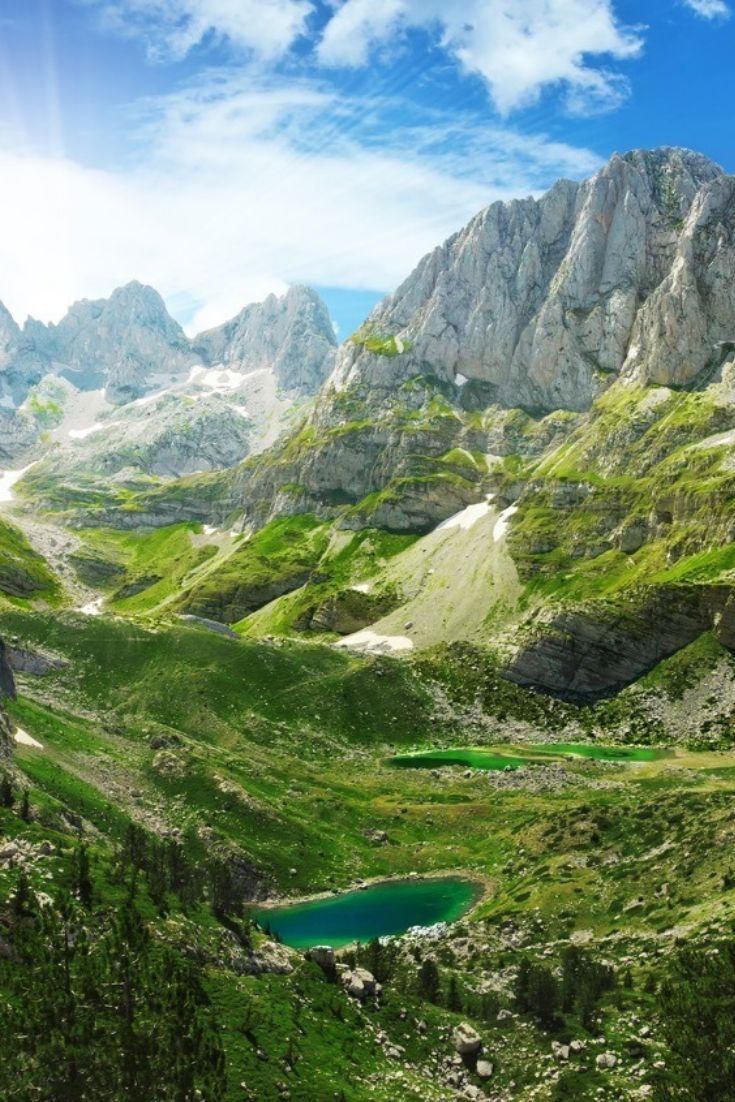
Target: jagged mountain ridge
<point x="538" y="306"/>
<point x="538" y="302"/>
<point x="246" y="376"/>
<point x="129" y="341"/>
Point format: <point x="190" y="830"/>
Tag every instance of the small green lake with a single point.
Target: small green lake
<point x="471" y="759"/>
<point x="379" y="910"/>
<point x="512" y="757"/>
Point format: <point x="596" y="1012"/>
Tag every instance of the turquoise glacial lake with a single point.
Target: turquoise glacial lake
<point x="379" y="910"/>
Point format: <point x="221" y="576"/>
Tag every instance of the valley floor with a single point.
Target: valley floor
<point x="276" y="756"/>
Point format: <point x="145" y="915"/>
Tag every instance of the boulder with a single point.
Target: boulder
<point x="484" y="1069"/>
<point x="323" y="955"/>
<point x="606" y="1060"/>
<point x="360" y="984"/>
<point x="467" y="1041"/>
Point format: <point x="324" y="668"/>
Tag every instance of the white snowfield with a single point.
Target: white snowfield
<point x="501" y="525"/>
<point x="81" y="434"/>
<point x="467" y="517"/>
<point x="372" y="643"/>
<point x="24" y="739"/>
<point x="8" y="480"/>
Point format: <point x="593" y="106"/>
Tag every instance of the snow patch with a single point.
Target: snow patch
<point x="501" y="525"/>
<point x="460" y="379"/>
<point x="467" y="517"/>
<point x="372" y="643"/>
<point x="209" y="530"/>
<point x="24" y="739"/>
<point x="8" y="480"/>
<point x="213" y="378"/>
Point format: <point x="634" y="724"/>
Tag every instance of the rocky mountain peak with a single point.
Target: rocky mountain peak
<point x="291" y="334"/>
<point x="540" y="303"/>
<point x="120" y="342"/>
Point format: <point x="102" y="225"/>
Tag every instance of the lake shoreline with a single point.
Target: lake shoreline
<point x="481" y="880"/>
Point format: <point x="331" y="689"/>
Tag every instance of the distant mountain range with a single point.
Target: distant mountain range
<point x="110" y="353"/>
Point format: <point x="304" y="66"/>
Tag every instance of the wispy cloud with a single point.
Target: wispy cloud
<point x="519" y="49"/>
<point x="230" y="199"/>
<point x="709" y="9"/>
<point x="268" y="28"/>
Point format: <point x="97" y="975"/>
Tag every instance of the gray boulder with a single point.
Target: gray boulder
<point x="467" y="1041"/>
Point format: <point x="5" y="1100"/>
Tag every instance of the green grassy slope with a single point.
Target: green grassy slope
<point x="277" y="753"/>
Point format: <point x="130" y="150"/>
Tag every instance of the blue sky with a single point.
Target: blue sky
<point x="223" y="149"/>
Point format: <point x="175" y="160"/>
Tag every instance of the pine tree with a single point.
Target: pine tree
<point x="7" y="797"/>
<point x="22" y="897"/>
<point x="82" y="878"/>
<point x="428" y="982"/>
<point x="25" y="806"/>
<point x="454" y="999"/>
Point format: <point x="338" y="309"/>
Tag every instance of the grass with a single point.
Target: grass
<point x="23" y="572"/>
<point x="279" y="755"/>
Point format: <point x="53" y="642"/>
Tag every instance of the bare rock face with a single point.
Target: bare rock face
<point x="590" y="651"/>
<point x="291" y="335"/>
<point x="120" y="342"/>
<point x="543" y="301"/>
<point x="18" y="435"/>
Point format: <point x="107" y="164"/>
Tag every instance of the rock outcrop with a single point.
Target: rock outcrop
<point x="291" y="335"/>
<point x="540" y="302"/>
<point x="596" y="649"/>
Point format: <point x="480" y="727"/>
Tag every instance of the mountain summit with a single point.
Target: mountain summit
<point x="539" y="303"/>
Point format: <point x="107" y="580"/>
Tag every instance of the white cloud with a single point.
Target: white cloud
<point x="229" y="202"/>
<point x="518" y="48"/>
<point x="709" y="9"/>
<point x="173" y="27"/>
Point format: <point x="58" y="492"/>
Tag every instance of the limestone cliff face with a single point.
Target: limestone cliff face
<point x="537" y="305"/>
<point x="291" y="335"/>
<point x="592" y="651"/>
<point x="120" y="342"/>
<point x="540" y="302"/>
